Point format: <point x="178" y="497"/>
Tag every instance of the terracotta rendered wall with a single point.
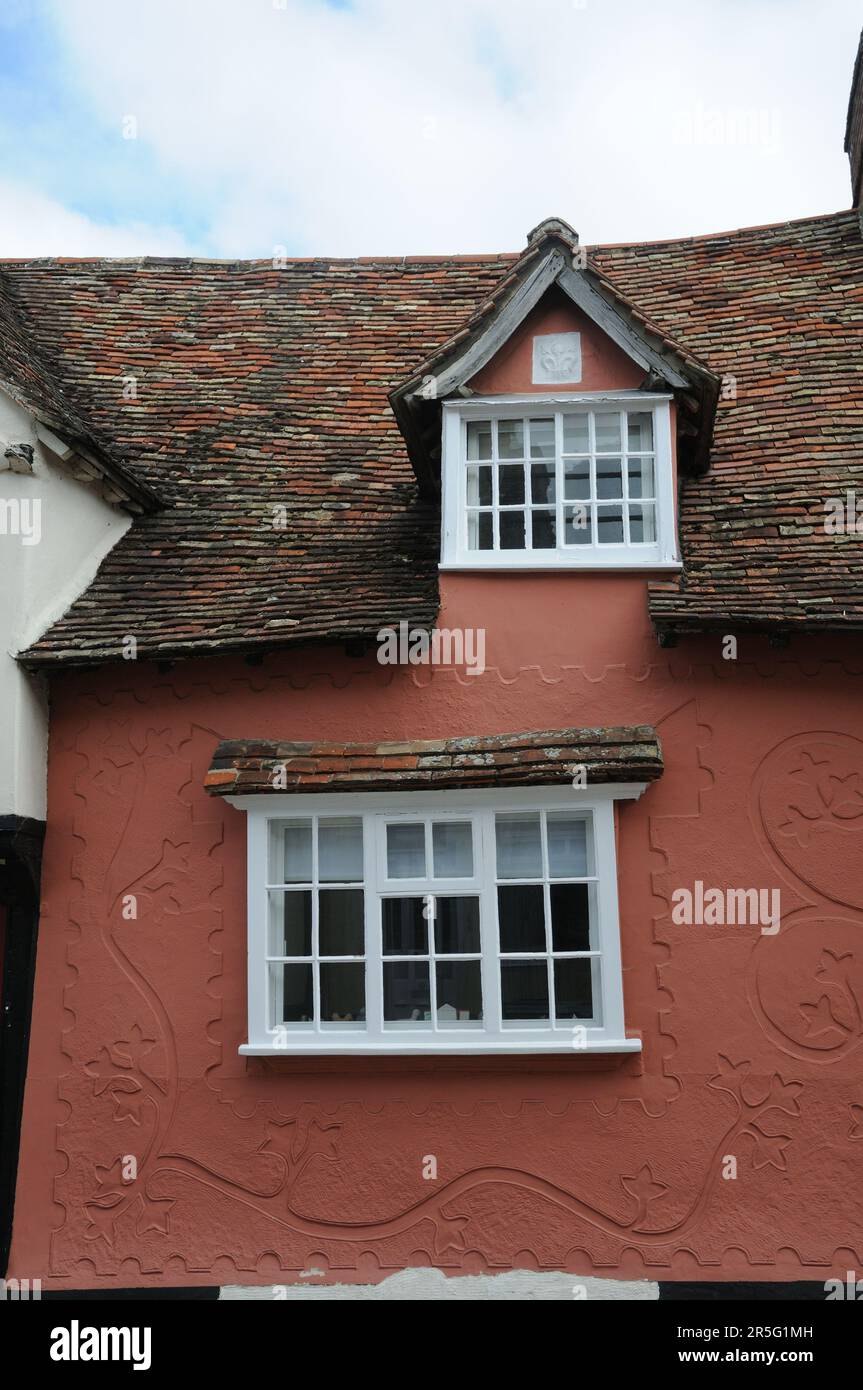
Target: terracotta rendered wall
<point x="257" y="1170"/>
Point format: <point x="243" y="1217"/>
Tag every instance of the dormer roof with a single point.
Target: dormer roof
<point x="552" y="258"/>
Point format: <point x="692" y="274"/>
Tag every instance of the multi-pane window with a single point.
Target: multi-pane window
<point x="430" y="925"/>
<point x="547" y="922"/>
<point x="585" y="484"/>
<point x="456" y="923"/>
<point x="316" y="922"/>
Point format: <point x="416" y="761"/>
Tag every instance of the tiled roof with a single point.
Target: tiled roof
<point x="257" y="389"/>
<point x="260" y="388"/>
<point x="30" y="378"/>
<point x="241" y="767"/>
<point x="781" y="310"/>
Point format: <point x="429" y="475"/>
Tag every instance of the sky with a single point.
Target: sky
<point x="253" y="128"/>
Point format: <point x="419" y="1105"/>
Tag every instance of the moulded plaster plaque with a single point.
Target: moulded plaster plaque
<point x="556" y="358"/>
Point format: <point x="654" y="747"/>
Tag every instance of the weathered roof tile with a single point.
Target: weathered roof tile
<point x="243" y="766"/>
<point x="262" y="398"/>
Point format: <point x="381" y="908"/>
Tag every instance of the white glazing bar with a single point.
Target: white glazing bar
<point x="374" y="835"/>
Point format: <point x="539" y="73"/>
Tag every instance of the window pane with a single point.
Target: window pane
<point x="512" y="530"/>
<point x="542" y="482"/>
<point x="642" y="522"/>
<point x="573" y="989"/>
<point x="567" y="846"/>
<point x="640" y="431"/>
<point x="524" y="989"/>
<point x="290" y="924"/>
<point x="576" y="434"/>
<point x="341" y="928"/>
<point x="479" y="485"/>
<point x="452" y="849"/>
<point x="459" y="991"/>
<point x="407" y="993"/>
<point x="543" y="530"/>
<point x="521" y="916"/>
<point x="479" y="531"/>
<point x="570" y="916"/>
<point x="609" y="478"/>
<point x="510" y="439"/>
<point x="609" y="525"/>
<point x="456" y="926"/>
<point x="510" y="483"/>
<point x="291" y="852"/>
<point x="479" y="439"/>
<point x="576" y="478"/>
<point x="641" y="477"/>
<point x="405" y="926"/>
<point x="542" y="439"/>
<point x="607" y="426"/>
<point x="293" y="997"/>
<point x="340" y="850"/>
<point x="343" y="993"/>
<point x="519" y="847"/>
<point x="406" y="850"/>
<point x="576" y="525"/>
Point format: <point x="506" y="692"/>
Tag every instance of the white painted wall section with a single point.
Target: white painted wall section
<point x="432" y="1285"/>
<point x="54" y="533"/>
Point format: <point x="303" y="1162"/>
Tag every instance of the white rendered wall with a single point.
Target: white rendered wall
<point x="38" y="582"/>
<point x="432" y="1285"/>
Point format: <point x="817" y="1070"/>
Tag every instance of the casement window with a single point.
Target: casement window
<point x="559" y="482"/>
<point x="459" y="921"/>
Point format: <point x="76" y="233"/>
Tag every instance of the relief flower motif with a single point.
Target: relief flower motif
<point x="823" y="799"/>
<point x="154" y="1214"/>
<point x="768" y="1149"/>
<point x="820" y="1019"/>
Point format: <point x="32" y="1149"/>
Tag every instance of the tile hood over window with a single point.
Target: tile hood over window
<point x="255" y="766"/>
<point x="455" y="896"/>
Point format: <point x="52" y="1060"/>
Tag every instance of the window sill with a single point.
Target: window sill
<point x="562" y="566"/>
<point x="516" y="1047"/>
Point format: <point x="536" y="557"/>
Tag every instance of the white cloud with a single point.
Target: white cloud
<point x="34" y="225"/>
<point x="393" y="127"/>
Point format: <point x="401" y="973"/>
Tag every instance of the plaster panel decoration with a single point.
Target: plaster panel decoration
<point x="246" y="1171"/>
<point x="556" y="359"/>
<point x="810" y="804"/>
<point x="807" y="986"/>
<point x="310" y="1177"/>
<point x="147" y="880"/>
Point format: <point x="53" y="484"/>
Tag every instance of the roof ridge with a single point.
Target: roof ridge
<point x="430" y="258"/>
<point x="250" y="262"/>
<point x="719" y="236"/>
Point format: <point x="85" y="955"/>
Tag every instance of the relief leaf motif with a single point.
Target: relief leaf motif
<point x="643" y="1188"/>
<point x="154" y="1214"/>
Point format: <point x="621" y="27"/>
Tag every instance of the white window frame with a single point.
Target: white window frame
<point x="494" y="1036"/>
<point x="661" y="554"/>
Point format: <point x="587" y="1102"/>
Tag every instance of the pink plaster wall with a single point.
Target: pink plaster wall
<point x="604" y="366"/>
<point x="253" y="1170"/>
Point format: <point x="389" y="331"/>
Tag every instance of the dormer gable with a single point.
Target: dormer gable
<point x="557" y="347"/>
<point x="555" y="423"/>
<point x="552" y="282"/>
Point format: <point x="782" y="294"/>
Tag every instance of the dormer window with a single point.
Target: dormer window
<point x="579" y="481"/>
<point x="563" y="416"/>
